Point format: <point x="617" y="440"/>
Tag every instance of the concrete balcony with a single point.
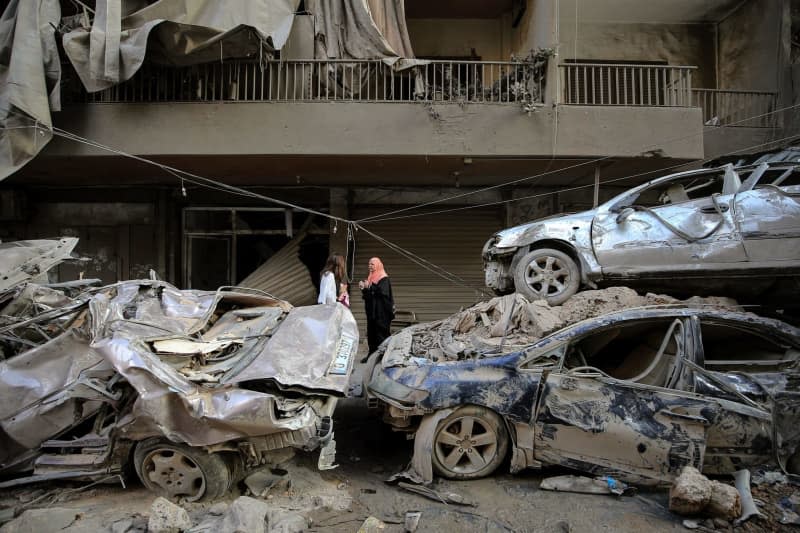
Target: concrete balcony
<point x="251" y="121"/>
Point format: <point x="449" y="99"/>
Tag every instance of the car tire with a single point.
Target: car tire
<point x="181" y="472"/>
<point x="469" y="444"/>
<point x="547" y="274"/>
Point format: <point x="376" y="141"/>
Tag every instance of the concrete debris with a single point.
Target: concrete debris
<point x="411" y="522"/>
<point x="166" y="517"/>
<point x="283" y="521"/>
<point x="725" y="502"/>
<point x="122" y="526"/>
<point x="507" y="323"/>
<point x="245" y="515"/>
<point x="372" y="525"/>
<point x="37" y="520"/>
<point x="690" y="493"/>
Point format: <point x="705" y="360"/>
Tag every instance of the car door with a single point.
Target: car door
<point x="590" y="421"/>
<point x="754" y="377"/>
<point x="676" y="225"/>
<point x="768" y="215"/>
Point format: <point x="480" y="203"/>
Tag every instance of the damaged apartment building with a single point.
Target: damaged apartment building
<point x="404" y="115"/>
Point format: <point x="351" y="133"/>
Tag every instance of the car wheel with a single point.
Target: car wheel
<point x="469" y="444"/>
<point x="178" y="471"/>
<point x="547" y="274"/>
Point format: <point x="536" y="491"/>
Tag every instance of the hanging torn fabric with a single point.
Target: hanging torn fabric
<point x="174" y="32"/>
<point x="30" y="77"/>
<point x="364" y="30"/>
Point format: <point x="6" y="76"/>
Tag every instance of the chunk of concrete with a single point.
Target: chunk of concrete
<point x="690" y="493"/>
<point x="372" y="525"/>
<point x="166" y="517"/>
<point x="282" y="521"/>
<point x="245" y="515"/>
<point x="725" y="502"/>
<point x="122" y="526"/>
<point x="36" y="520"/>
<point x="541" y="320"/>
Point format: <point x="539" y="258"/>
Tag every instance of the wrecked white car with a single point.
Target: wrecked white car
<point x="703" y="228"/>
<point x="188" y="387"/>
<point x="636" y="394"/>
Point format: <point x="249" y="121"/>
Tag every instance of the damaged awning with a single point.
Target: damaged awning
<point x="176" y="32"/>
<point x="109" y="45"/>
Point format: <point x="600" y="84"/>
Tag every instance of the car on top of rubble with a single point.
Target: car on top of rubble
<point x="731" y="227"/>
<point x="636" y="394"/>
<point x="189" y="388"/>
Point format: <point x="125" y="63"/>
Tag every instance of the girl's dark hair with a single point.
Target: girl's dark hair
<point x="336" y="265"/>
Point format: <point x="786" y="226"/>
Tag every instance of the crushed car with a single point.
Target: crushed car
<point x="635" y="393"/>
<point x="188" y="388"/>
<point x="728" y="228"/>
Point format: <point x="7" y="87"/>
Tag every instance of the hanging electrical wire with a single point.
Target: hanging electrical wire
<point x="581" y="164"/>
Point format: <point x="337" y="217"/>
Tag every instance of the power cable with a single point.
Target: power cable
<point x="584" y="163"/>
<point x="577" y="187"/>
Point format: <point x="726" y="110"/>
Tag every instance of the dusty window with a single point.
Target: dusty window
<point x="728" y="348"/>
<point x="644" y="352"/>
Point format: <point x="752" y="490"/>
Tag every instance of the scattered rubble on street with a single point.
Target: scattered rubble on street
<point x="180" y="336"/>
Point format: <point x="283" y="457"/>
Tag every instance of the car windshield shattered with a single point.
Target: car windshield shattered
<point x="202" y="383"/>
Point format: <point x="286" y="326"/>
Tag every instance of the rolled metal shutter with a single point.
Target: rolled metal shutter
<point x="452" y="241"/>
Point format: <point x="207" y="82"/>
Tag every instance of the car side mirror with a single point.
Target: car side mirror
<point x="624" y="214"/>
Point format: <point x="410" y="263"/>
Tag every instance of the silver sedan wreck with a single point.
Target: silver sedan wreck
<point x="704" y="227"/>
<point x="637" y="394"/>
<point x="188" y="387"/>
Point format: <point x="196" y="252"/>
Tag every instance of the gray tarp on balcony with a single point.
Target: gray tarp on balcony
<point x="112" y="49"/>
<point x="361" y="29"/>
<point x="179" y="32"/>
<point x="30" y="76"/>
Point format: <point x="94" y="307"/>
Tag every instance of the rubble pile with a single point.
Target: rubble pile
<point x="507" y="323"/>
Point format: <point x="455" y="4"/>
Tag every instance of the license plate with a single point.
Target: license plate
<point x="343" y="353"/>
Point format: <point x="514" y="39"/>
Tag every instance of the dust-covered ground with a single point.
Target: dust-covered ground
<point x="340" y="500"/>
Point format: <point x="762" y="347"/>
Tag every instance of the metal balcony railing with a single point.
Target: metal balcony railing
<point x="499" y="82"/>
<point x="750" y="109"/>
<point x="610" y="84"/>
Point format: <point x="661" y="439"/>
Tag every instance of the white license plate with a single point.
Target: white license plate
<point x="343" y="353"/>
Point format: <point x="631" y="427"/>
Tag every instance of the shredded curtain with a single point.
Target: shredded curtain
<point x="358" y="30"/>
<point x="177" y="32"/>
<point x="30" y="80"/>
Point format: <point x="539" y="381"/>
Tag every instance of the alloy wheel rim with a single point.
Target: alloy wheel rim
<point x="175" y="474"/>
<point x="547" y="276"/>
<point x="466" y="445"/>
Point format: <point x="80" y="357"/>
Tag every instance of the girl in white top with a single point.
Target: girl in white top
<point x="333" y="280"/>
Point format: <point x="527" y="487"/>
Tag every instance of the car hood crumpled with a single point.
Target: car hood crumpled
<point x="524" y="233"/>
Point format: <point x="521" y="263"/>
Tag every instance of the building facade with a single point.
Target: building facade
<point x="495" y="113"/>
